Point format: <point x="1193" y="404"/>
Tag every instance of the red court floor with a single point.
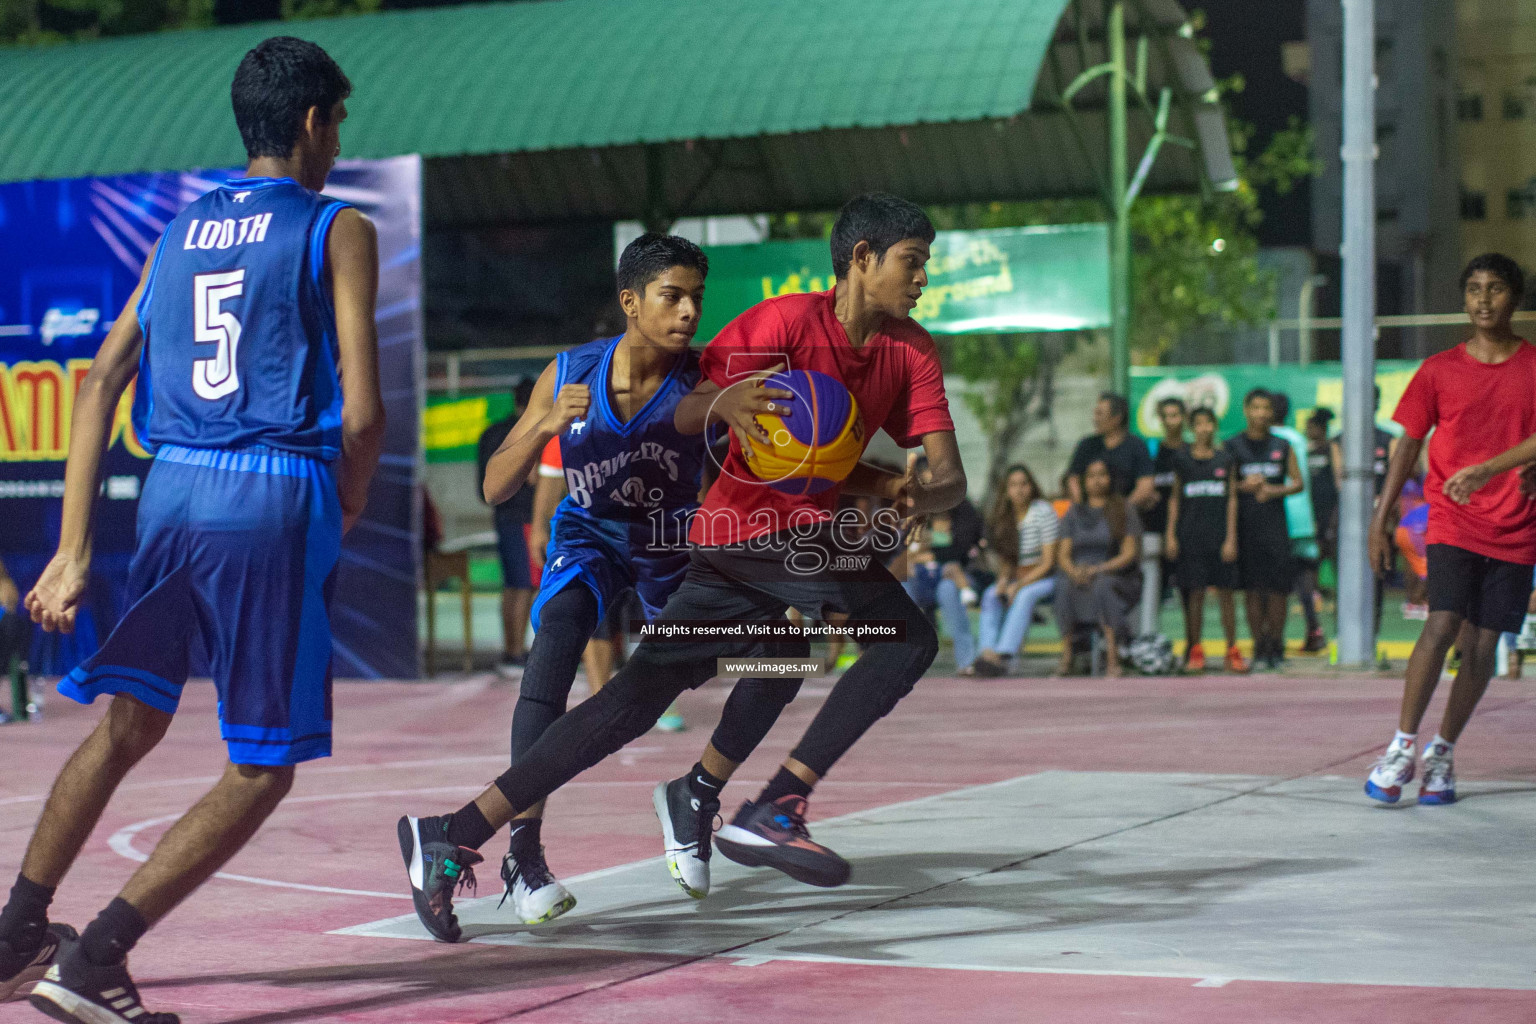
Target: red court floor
<point x="1172" y="850"/>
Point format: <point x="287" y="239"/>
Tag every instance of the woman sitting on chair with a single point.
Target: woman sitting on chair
<point x="1021" y="533"/>
<point x="1100" y="578"/>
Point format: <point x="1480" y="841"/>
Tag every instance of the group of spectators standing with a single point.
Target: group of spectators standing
<point x="1256" y="513"/>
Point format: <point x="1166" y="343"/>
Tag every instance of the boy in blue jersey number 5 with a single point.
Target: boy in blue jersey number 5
<point x="252" y="333"/>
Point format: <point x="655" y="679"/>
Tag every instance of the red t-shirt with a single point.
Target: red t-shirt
<point x="549" y="459"/>
<point x="896" y="379"/>
<point x="1477" y="410"/>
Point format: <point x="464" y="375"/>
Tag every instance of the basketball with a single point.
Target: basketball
<point x="817" y="445"/>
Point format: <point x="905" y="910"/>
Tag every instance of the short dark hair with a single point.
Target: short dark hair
<point x="1500" y="265"/>
<point x="1118" y="406"/>
<point x="1173" y="400"/>
<point x="1259" y="393"/>
<point x="1203" y="410"/>
<point x="653" y="254"/>
<point x="1322" y="416"/>
<point x="275" y="84"/>
<point x="881" y="220"/>
<point x="1281" y="403"/>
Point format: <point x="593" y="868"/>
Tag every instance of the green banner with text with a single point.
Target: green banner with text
<point x="1049" y="278"/>
<point x="1221" y="388"/>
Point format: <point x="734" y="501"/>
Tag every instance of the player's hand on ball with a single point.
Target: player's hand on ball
<point x="1466" y="482"/>
<point x="739" y="405"/>
<point x="52" y="603"/>
<point x="571" y="404"/>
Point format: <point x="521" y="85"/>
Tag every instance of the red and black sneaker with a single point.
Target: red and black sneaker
<point x="773" y="835"/>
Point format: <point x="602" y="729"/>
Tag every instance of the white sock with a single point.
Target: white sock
<point x="1441" y="746"/>
<point x="1403" y="739"/>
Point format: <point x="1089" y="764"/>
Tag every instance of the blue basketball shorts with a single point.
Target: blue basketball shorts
<point x="609" y="558"/>
<point x="236" y="552"/>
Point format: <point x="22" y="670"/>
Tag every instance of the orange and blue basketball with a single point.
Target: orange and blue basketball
<point x="817" y="445"/>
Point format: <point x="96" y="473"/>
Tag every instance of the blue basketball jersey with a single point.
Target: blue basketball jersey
<point x="639" y="472"/>
<point x="239" y="335"/>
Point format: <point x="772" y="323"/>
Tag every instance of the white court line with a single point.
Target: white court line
<point x="121" y="841"/>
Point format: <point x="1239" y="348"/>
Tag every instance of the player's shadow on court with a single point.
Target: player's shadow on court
<point x="1062" y="892"/>
<point x="424" y="979"/>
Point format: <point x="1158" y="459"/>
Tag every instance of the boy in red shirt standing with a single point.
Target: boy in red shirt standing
<point x="1480" y="400"/>
<point x="756" y="551"/>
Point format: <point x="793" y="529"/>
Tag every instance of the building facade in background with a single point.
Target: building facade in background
<point x="1419" y="169"/>
<point x="1496" y="125"/>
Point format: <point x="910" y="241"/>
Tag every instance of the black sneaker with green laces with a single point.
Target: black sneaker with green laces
<point x="437" y="869"/>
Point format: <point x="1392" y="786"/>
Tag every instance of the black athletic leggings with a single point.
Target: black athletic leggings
<point x="659" y="671"/>
<point x="566" y="622"/>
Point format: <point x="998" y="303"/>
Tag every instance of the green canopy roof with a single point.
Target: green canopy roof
<point x="616" y="108"/>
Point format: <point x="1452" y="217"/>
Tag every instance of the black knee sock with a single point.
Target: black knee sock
<point x="623" y="710"/>
<point x="25" y="916"/>
<point x="785" y="783"/>
<point x="116" y="930"/>
<point x="704" y="785"/>
<point x="566" y="623"/>
<point x="468" y="827"/>
<point x="753" y="707"/>
<point x="526" y="837"/>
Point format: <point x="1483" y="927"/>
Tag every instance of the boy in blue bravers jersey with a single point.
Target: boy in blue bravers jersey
<point x="252" y="333"/>
<point x="632" y="483"/>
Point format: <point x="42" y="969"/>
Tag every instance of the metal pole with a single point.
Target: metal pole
<point x="1120" y="241"/>
<point x="1357" y="641"/>
<point x="1274" y="345"/>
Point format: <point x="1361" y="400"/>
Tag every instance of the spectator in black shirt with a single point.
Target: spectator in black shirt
<point x="1126" y="456"/>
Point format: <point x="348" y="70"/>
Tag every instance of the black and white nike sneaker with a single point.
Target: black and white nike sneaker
<point x="687" y="824"/>
<point x="437" y="869"/>
<point x="18" y="969"/>
<point x="537" y="895"/>
<point x="76" y="990"/>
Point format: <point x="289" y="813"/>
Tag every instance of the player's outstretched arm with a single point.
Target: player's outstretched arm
<point x="352" y="250"/>
<point x="943" y="485"/>
<point x="547" y="416"/>
<point x="1466" y="482"/>
<point x="52" y="602"/>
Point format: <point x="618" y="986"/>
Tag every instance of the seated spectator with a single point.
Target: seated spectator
<point x="1100" y="578"/>
<point x="1021" y="533"/>
<point x="938" y="568"/>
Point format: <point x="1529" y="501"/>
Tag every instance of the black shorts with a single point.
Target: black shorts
<point x="815" y="573"/>
<point x="1201" y="569"/>
<point x="1487" y="592"/>
<point x="1264" y="562"/>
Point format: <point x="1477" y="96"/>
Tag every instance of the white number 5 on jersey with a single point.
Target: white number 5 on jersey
<point x="217" y="376"/>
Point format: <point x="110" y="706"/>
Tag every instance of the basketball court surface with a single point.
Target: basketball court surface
<point x="1149" y="850"/>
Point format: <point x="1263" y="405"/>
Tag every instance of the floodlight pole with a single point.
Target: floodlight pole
<point x="1357" y="594"/>
<point x="1120" y="227"/>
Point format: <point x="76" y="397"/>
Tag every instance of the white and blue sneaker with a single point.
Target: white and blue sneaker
<point x="1439" y="786"/>
<point x="1392" y="772"/>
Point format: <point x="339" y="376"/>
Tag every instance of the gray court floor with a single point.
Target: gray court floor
<point x="1210" y="877"/>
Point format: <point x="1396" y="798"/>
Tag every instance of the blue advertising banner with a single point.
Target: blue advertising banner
<point x="70" y="254"/>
